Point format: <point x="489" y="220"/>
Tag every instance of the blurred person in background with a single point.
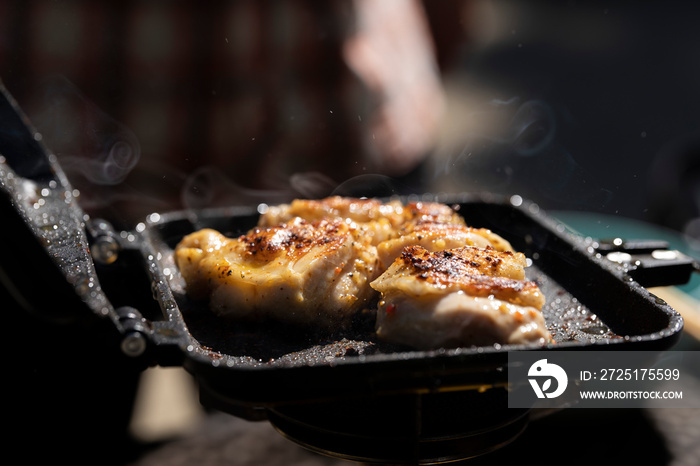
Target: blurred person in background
<point x="155" y="106"/>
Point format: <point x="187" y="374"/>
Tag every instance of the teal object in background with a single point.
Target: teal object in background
<point x="600" y="226"/>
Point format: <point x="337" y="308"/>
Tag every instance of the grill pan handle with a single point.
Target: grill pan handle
<point x="59" y="244"/>
<point x="650" y="262"/>
<point x="20" y="144"/>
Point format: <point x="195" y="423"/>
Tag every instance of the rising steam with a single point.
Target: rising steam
<point x="87" y="141"/>
<point x="211" y="187"/>
<point x="509" y="147"/>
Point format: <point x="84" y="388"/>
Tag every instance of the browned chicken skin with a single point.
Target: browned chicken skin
<point x="435" y="236"/>
<point x="313" y="274"/>
<point x="381" y="220"/>
<point x="391" y="226"/>
<point x="464" y="296"/>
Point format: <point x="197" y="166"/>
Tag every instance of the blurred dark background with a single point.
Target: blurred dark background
<point x="156" y="105"/>
<point x="601" y="105"/>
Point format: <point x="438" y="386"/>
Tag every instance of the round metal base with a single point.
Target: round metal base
<point x="402" y="429"/>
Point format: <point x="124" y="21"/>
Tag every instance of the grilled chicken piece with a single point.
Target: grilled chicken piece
<point x="435" y="212"/>
<point x="435" y="236"/>
<point x="379" y="219"/>
<point x="376" y="218"/>
<point x="357" y="210"/>
<point x="459" y="297"/>
<point x="313" y="274"/>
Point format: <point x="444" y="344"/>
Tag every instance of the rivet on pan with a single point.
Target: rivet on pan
<point x="133" y="344"/>
<point x="105" y="250"/>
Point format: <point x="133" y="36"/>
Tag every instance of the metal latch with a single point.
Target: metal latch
<point x="650" y="262"/>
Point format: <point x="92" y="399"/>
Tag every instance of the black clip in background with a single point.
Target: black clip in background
<point x="650" y="262"/>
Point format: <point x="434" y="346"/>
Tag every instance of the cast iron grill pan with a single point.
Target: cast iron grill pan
<point x="591" y="304"/>
<point x="352" y="396"/>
